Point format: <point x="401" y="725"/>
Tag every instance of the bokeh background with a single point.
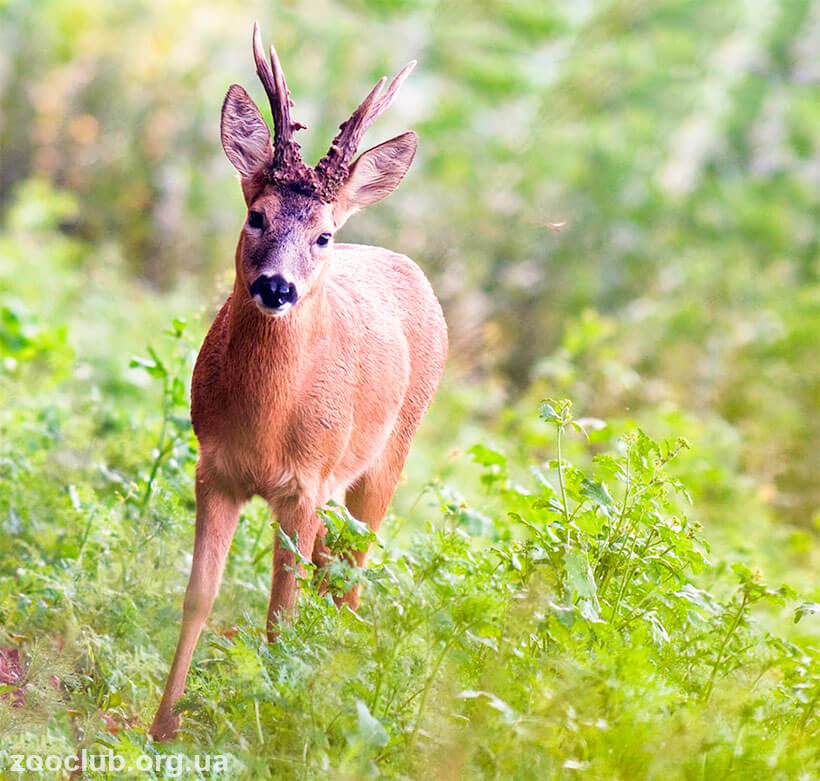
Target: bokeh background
<point x="617" y="203"/>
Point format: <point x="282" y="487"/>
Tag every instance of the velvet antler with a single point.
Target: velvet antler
<point x="332" y="170"/>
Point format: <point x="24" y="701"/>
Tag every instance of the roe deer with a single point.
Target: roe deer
<point x="319" y="367"/>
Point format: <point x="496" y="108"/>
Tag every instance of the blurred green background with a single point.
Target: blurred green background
<point x="675" y="144"/>
<point x="617" y="203"/>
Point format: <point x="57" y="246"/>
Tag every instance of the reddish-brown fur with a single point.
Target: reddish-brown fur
<point x="320" y="402"/>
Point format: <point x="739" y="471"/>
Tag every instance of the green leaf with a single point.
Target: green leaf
<point x="157" y="360"/>
<point x="598" y="493"/>
<point x="548" y="412"/>
<point x="659" y="634"/>
<point x="645" y="446"/>
<point x="806" y="609"/>
<point x="368" y="728"/>
<point x="154" y="369"/>
<point x="580" y="579"/>
<point x="548" y="503"/>
<point x="611" y="466"/>
<point x="487" y="457"/>
<point x="291" y="545"/>
<point x="580" y="582"/>
<point x="344" y="532"/>
<point x="177" y="328"/>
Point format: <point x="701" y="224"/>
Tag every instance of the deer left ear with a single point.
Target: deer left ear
<point x="374" y="175"/>
<point x="245" y="135"/>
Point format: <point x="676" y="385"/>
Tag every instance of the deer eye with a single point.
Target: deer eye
<point x="256" y="220"/>
<point x="323" y="240"/>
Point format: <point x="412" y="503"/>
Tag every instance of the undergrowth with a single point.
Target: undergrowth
<point x="574" y="622"/>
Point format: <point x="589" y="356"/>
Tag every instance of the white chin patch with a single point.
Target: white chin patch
<point x="265" y="310"/>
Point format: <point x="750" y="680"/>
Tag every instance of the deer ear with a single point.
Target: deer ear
<point x="245" y="134"/>
<point x="375" y="174"/>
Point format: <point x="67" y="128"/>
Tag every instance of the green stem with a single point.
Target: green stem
<point x="804" y="719"/>
<point x="732" y="627"/>
<point x="161" y="453"/>
<point x="636" y="612"/>
<point x="622" y="514"/>
<point x="618" y="523"/>
<point x="630" y="568"/>
<point x="429" y="683"/>
<point x="560" y="428"/>
<point x="258" y="722"/>
<point x="84" y="539"/>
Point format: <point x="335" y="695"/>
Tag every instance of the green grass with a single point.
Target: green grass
<point x="543" y="601"/>
<point x="577" y="622"/>
<point x="542" y="604"/>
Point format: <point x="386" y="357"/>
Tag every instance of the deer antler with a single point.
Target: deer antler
<point x="333" y="167"/>
<point x="332" y="170"/>
<point x="286" y="155"/>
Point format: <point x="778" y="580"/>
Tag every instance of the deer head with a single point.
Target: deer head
<point x="294" y="210"/>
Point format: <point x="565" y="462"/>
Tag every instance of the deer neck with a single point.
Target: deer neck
<point x="265" y="354"/>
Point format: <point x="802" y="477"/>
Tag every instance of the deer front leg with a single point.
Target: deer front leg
<point x="299" y="520"/>
<point x="216" y="517"/>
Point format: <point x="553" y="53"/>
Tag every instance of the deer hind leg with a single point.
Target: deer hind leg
<point x="299" y="521"/>
<point x="370" y="496"/>
<point x="216" y="517"/>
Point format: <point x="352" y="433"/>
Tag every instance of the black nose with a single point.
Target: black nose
<point x="274" y="291"/>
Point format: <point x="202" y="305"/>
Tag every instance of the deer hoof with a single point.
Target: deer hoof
<point x="164" y="729"/>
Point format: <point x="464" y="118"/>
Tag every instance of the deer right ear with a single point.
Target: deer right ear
<point x="245" y="134"/>
<point x="374" y="175"/>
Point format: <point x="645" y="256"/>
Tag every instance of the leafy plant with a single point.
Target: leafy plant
<point x="175" y="433"/>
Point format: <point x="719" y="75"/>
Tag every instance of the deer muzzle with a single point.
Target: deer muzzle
<point x="273" y="294"/>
